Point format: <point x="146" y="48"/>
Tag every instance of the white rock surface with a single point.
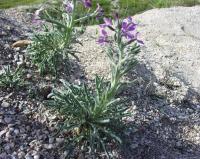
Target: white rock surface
<point x="172" y="42"/>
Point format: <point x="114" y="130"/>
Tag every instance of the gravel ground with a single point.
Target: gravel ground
<point x="165" y="110"/>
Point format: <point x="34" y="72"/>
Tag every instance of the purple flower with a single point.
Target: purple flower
<point x="69" y="7"/>
<point x="116" y="16"/>
<point x="100" y="11"/>
<point x="103" y="38"/>
<point x="36" y="17"/>
<point x="130" y="20"/>
<point x="139" y="41"/>
<point x="87" y="3"/>
<point x="107" y="23"/>
<point x="128" y="28"/>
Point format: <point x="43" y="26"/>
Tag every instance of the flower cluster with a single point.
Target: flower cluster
<point x="69" y="6"/>
<point x="36" y="17"/>
<point x="125" y="28"/>
<point x="87" y="3"/>
<point x="100" y="11"/>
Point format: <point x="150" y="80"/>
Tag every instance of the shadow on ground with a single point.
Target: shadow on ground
<point x="165" y="122"/>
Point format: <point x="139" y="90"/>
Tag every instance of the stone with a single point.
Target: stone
<point x="7" y="120"/>
<point x="8" y="135"/>
<point x="49" y="146"/>
<point x="17" y="49"/>
<point x="60" y="140"/>
<point x="134" y="146"/>
<point x="7" y="46"/>
<point x="174" y="41"/>
<point x="7" y="147"/>
<point x="3" y="155"/>
<point x="3" y="33"/>
<point x="28" y="64"/>
<point x="16" y="57"/>
<point x="28" y="156"/>
<point x="21" y="155"/>
<point x="28" y="76"/>
<point x="16" y="131"/>
<point x="11" y="129"/>
<point x="5" y="104"/>
<point x="10" y="56"/>
<point x="20" y="63"/>
<point x="21" y="43"/>
<point x="51" y="140"/>
<point x="37" y="156"/>
<point x="1" y="120"/>
<point x="3" y="132"/>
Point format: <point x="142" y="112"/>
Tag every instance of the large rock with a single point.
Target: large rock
<point x="172" y="42"/>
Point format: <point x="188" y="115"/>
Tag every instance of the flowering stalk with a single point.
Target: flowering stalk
<point x="52" y="48"/>
<point x="121" y="49"/>
<point x="94" y="117"/>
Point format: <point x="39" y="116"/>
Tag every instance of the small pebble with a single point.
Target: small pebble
<point x="51" y="140"/>
<point x="59" y="140"/>
<point x="7" y="46"/>
<point x="5" y="104"/>
<point x="28" y="76"/>
<point x="28" y="157"/>
<point x="16" y="57"/>
<point x="11" y="125"/>
<point x="48" y="146"/>
<point x="3" y="155"/>
<point x="20" y="63"/>
<point x="28" y="64"/>
<point x="8" y="136"/>
<point x="16" y="131"/>
<point x="10" y="56"/>
<point x="37" y="156"/>
<point x="3" y="132"/>
<point x="17" y="49"/>
<point x="11" y="129"/>
<point x="7" y="148"/>
<point x="7" y="120"/>
<point x="21" y="155"/>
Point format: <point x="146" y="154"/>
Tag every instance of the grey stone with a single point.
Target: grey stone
<point x="28" y="76"/>
<point x="5" y="104"/>
<point x="49" y="146"/>
<point x="7" y="120"/>
<point x="172" y="43"/>
<point x="16" y="131"/>
<point x="3" y="132"/>
<point x="21" y="155"/>
<point x="28" y="157"/>
<point x="51" y="140"/>
<point x="60" y="140"/>
<point x="37" y="156"/>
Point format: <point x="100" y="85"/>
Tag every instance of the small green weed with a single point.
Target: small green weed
<point x="51" y="49"/>
<point x="90" y="118"/>
<point x="11" y="78"/>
